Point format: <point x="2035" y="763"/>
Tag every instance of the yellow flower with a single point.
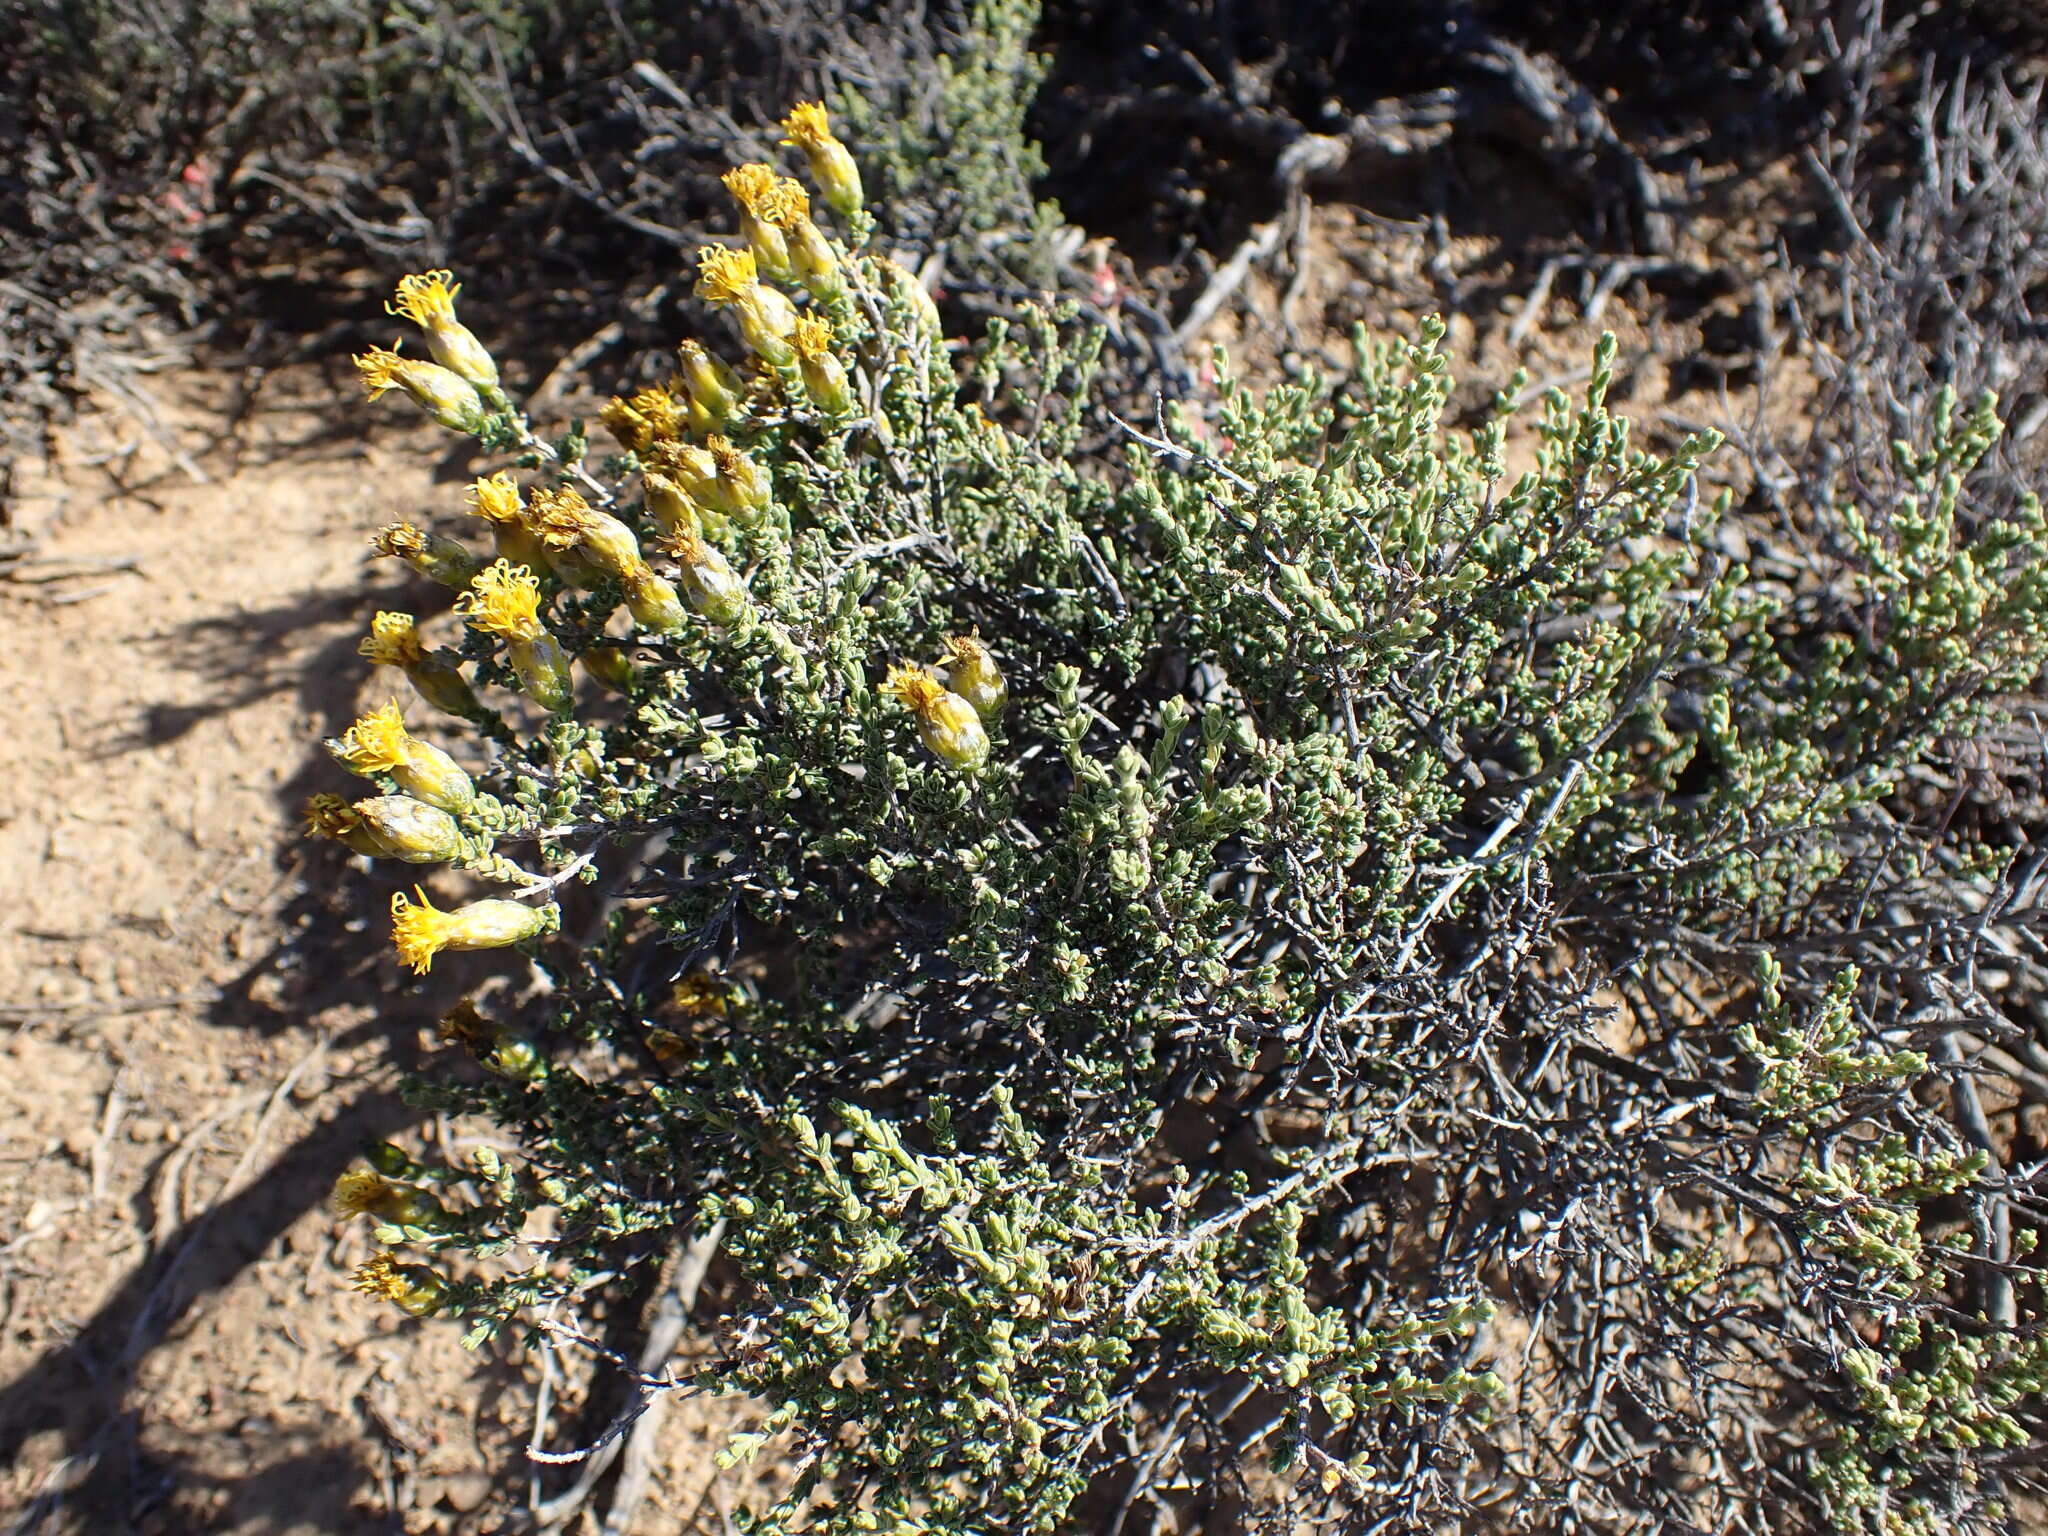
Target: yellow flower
<point x="379" y="743"/>
<point x="650" y="415"/>
<point x="671" y="507"/>
<point x="415" y="1289"/>
<point x="420" y="930"/>
<point x="727" y="276"/>
<point x="503" y="600"/>
<point x="446" y="396"/>
<point x="788" y="208"/>
<point x="832" y="167"/>
<point x="951" y="729"/>
<point x="972" y="673"/>
<point x="750" y="186"/>
<point x="427" y="299"/>
<point x="823" y="374"/>
<point x="714" y="389"/>
<point x="496" y="499"/>
<point x="393" y="641"/>
<point x="694" y="470"/>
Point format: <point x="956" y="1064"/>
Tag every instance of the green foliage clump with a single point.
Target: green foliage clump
<point x="1135" y="938"/>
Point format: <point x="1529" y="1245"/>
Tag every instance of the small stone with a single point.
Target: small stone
<point x="465" y="1492"/>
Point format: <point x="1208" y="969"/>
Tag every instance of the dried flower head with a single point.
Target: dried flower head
<point x="400" y="541"/>
<point x="750" y="185"/>
<point x="503" y="600"/>
<point x="360" y="1192"/>
<point x="414" y="1288"/>
<point x="443" y="394"/>
<point x="700" y="996"/>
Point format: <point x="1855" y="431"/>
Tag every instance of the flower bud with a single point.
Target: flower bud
<point x="671" y="506"/>
<point x="709" y="585"/>
<point x="608" y="664"/>
<point x="359" y="1192"/>
<point x="766" y="317"/>
<point x="972" y="673"/>
<point x="392" y="1160"/>
<point x="433" y="555"/>
<point x="427" y="299"/>
<point x="543" y="669"/>
<point x="823" y="374"/>
<point x="908" y="289"/>
<point x="740" y="485"/>
<point x="409" y="829"/>
<point x="379" y="743"/>
<point x="951" y="729"/>
<point x="714" y="389"/>
<point x="832" y="168"/>
<point x="496" y="499"/>
<point x="497" y="1049"/>
<point x="750" y="186"/>
<point x="652" y="600"/>
<point x="415" y="1289"/>
<point x="443" y="395"/>
<point x="420" y="930"/>
<point x="394" y="641"/>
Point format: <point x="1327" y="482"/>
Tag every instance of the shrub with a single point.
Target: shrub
<point x="1249" y="959"/>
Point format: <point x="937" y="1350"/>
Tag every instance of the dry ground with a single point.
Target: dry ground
<point x="199" y="1021"/>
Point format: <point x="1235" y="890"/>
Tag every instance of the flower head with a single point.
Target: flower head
<point x="810" y="129"/>
<point x="427" y="299"/>
<point x="823" y="374"/>
<point x="711" y="586"/>
<point x="951" y="728"/>
<point x="420" y="930"/>
<point x="742" y="487"/>
<point x="359" y="1192"/>
<point x="377" y="743"/>
<point x="409" y="829"/>
<point x="749" y="185"/>
<point x="725" y="275"/>
<point x="728" y="276"/>
<point x="415" y="1289"/>
<point x="714" y="389"/>
<point x="393" y="641"/>
<point x="443" y="394"/>
<point x="503" y="600"/>
<point x="495" y="499"/>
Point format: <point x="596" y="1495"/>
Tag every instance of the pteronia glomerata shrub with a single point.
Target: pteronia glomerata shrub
<point x="1248" y="961"/>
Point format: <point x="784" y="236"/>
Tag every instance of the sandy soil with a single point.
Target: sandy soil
<point x="199" y="1020"/>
